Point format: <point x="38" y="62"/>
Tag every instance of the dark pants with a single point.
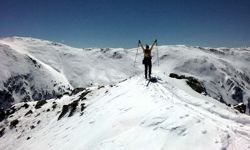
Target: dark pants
<point x="148" y="67"/>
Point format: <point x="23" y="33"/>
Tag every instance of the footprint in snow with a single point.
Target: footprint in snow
<point x="181" y="117"/>
<point x="216" y="141"/>
<point x="198" y="121"/>
<point x="204" y="132"/>
<point x="179" y="130"/>
<point x="154" y="122"/>
<point x="91" y="122"/>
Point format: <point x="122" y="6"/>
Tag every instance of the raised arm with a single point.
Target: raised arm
<point x="141" y="45"/>
<point x="152" y="46"/>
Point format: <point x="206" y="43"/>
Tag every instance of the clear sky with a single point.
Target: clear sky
<point x="121" y="23"/>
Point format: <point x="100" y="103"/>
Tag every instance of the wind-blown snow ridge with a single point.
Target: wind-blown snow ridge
<point x="130" y="115"/>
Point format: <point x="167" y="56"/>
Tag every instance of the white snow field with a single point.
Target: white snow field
<point x="130" y="115"/>
<point x="116" y="109"/>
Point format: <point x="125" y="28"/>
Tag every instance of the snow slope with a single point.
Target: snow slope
<point x="224" y="72"/>
<point x="53" y="68"/>
<point x="82" y="67"/>
<point x="130" y="115"/>
<point x="24" y="78"/>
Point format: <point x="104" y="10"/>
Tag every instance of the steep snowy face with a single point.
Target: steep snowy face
<point x="224" y="72"/>
<point x="24" y="78"/>
<point x="34" y="69"/>
<point x="82" y="67"/>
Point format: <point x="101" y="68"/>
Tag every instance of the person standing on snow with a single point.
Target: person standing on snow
<point x="147" y="58"/>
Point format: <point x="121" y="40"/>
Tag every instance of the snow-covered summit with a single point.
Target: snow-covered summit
<point x="96" y="98"/>
<point x="223" y="71"/>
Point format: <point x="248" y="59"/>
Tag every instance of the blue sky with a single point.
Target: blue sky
<point x="121" y="23"/>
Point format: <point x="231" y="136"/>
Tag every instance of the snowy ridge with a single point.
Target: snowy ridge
<point x="223" y="71"/>
<point x="130" y="115"/>
<point x="101" y="101"/>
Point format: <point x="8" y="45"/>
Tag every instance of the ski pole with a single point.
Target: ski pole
<point x="136" y="53"/>
<point x="157" y="53"/>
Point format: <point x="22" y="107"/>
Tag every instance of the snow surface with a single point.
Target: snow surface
<point x="82" y="67"/>
<point x="23" y="75"/>
<point x="224" y="72"/>
<point x="125" y="113"/>
<point x="130" y="115"/>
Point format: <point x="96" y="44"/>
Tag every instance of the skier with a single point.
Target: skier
<point x="147" y="58"/>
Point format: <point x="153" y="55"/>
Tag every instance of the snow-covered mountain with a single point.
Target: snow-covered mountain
<point x="34" y="69"/>
<point x="224" y="72"/>
<point x="109" y="105"/>
<point x="25" y="78"/>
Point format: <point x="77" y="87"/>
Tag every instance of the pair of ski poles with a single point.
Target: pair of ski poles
<point x="138" y="49"/>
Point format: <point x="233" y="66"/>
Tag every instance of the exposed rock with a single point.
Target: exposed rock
<point x="10" y="111"/>
<point x="238" y="94"/>
<point x="99" y="87"/>
<point x="82" y="106"/>
<point x="65" y="109"/>
<point x="82" y="96"/>
<point x="13" y="123"/>
<point x="6" y="99"/>
<point x="240" y="107"/>
<point x="2" y="115"/>
<point x="54" y="106"/>
<point x="72" y="107"/>
<point x="117" y="55"/>
<point x="59" y="96"/>
<point x="26" y="98"/>
<point x="194" y="83"/>
<point x="32" y="127"/>
<point x="248" y="105"/>
<point x="38" y="122"/>
<point x="23" y="85"/>
<point x="29" y="112"/>
<point x="25" y="105"/>
<point x="2" y="132"/>
<point x="66" y="93"/>
<point x="40" y="103"/>
<point x="77" y="90"/>
<point x="174" y="75"/>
